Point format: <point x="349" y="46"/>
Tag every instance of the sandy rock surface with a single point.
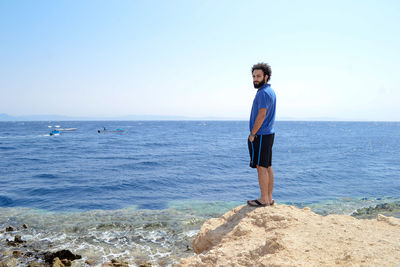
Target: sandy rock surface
<point x="284" y="235"/>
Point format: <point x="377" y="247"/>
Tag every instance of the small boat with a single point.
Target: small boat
<point x="67" y="129"/>
<point x="54" y="132"/>
<point x="58" y="128"/>
<point x="104" y="130"/>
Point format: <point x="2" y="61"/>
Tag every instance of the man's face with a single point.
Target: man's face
<point x="259" y="79"/>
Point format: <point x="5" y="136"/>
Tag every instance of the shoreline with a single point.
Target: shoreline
<point x="159" y="237"/>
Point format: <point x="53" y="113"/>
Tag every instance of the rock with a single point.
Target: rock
<point x="90" y="262"/>
<point x="36" y="264"/>
<point x="12" y="262"/>
<point x="9" y="229"/>
<point x="389" y="220"/>
<point x="29" y="254"/>
<point x="154" y="225"/>
<point x="62" y="254"/>
<point x="25" y="226"/>
<point x="57" y="263"/>
<point x="369" y="212"/>
<point x="147" y="264"/>
<point x="66" y="262"/>
<point x="284" y="235"/>
<point x="116" y="263"/>
<point x="17" y="253"/>
<point x="18" y="239"/>
<point x="7" y="253"/>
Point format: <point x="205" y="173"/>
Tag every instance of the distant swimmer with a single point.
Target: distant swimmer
<point x="104" y="130"/>
<point x="262" y="133"/>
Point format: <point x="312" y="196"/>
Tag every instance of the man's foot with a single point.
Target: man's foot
<point x="270" y="203"/>
<point x="256" y="203"/>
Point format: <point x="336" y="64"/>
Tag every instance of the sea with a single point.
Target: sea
<point x="141" y="195"/>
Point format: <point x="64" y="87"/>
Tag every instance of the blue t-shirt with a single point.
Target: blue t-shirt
<point x="265" y="98"/>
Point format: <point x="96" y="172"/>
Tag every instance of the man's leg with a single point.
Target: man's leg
<point x="264" y="182"/>
<point x="271" y="183"/>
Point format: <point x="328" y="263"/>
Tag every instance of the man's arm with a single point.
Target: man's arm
<point x="262" y="113"/>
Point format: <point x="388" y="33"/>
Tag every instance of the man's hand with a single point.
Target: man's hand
<point x="262" y="113"/>
<point x="251" y="138"/>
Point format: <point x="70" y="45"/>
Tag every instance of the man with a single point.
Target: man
<point x="261" y="138"/>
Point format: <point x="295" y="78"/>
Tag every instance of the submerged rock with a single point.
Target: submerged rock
<point x="154" y="225"/>
<point x="370" y="212"/>
<point x="62" y="254"/>
<point x="90" y="262"/>
<point x="17" y="241"/>
<point x="17" y="253"/>
<point x="115" y="263"/>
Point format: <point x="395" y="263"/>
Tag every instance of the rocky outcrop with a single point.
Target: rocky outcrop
<point x="283" y="235"/>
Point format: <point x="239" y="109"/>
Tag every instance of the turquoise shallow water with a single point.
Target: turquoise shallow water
<point x="142" y="198"/>
<point x="160" y="237"/>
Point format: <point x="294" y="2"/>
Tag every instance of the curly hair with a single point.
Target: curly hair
<point x="264" y="67"/>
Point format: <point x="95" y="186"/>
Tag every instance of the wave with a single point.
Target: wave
<point x="139" y="165"/>
<point x="157" y="144"/>
<point x="5" y="201"/>
<point x="7" y="148"/>
<point x="160" y="237"/>
<point x="46" y="176"/>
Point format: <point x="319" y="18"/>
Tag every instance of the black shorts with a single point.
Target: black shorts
<point x="261" y="150"/>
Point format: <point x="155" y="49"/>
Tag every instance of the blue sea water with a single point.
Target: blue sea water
<point x="172" y="175"/>
<point x="155" y="163"/>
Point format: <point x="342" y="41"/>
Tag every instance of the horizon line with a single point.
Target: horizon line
<point x="53" y="117"/>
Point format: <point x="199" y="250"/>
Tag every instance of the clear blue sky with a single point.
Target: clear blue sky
<point x="336" y="59"/>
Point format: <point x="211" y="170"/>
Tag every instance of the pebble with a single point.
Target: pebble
<point x="90" y="262"/>
<point x="17" y="253"/>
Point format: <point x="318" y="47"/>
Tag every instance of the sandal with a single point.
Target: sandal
<point x="256" y="203"/>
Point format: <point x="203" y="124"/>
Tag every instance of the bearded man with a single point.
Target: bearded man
<point x="262" y="133"/>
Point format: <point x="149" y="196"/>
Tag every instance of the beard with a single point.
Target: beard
<point x="259" y="85"/>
